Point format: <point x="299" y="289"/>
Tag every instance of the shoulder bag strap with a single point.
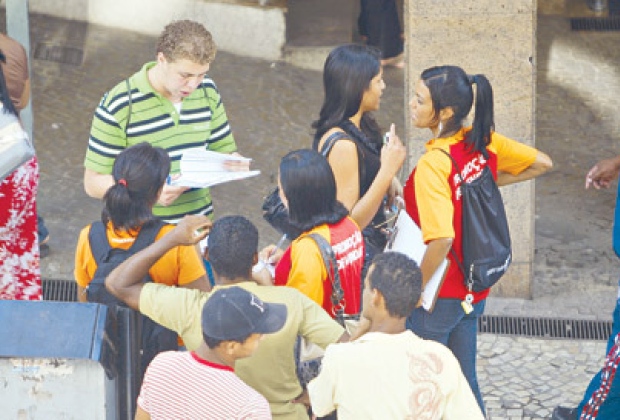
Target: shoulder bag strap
<point x="331" y="265"/>
<point x="331" y="140"/>
<point x="339" y="135"/>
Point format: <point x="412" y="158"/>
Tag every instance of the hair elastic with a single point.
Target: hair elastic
<point x="122" y="182"/>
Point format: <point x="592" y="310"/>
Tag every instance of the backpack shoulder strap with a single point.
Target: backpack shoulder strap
<point x="331" y="265"/>
<point x="98" y="240"/>
<point x="331" y="140"/>
<point x="146" y="236"/>
<point x="456" y="165"/>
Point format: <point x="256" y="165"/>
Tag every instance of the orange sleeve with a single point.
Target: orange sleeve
<point x="190" y="264"/>
<point x="434" y="196"/>
<point x="307" y="268"/>
<point x="513" y="157"/>
<point x="83" y="259"/>
<point x="180" y="265"/>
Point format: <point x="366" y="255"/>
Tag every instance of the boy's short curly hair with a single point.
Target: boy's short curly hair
<point x="399" y="279"/>
<point x="186" y="39"/>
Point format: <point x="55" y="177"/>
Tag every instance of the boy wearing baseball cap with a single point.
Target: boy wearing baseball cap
<point x="204" y="383"/>
<point x="233" y="244"/>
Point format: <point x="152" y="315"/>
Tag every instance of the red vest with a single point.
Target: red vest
<point x="471" y="165"/>
<point x="348" y="245"/>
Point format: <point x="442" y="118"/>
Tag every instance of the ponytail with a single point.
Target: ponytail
<point x="483" y="123"/>
<point x="126" y="210"/>
<point x="450" y="86"/>
<point x="139" y="173"/>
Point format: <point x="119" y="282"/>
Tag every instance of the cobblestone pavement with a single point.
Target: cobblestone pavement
<point x="271" y="105"/>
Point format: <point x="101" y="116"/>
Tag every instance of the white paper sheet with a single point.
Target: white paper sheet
<point x="203" y="168"/>
<point x="408" y="240"/>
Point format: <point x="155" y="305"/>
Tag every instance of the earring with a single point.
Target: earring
<point x="440" y="127"/>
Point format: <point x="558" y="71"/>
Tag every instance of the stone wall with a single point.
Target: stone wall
<point x="240" y="27"/>
<point x="495" y="38"/>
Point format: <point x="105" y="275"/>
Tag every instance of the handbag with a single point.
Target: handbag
<point x="274" y="210"/>
<point x="15" y="146"/>
<point x="276" y="214"/>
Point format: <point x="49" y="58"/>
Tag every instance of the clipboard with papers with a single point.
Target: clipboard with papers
<point x="406" y="238"/>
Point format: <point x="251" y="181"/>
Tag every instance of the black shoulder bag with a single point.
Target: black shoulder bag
<point x="274" y="211"/>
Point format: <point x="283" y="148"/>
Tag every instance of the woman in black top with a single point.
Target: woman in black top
<point x="364" y="168"/>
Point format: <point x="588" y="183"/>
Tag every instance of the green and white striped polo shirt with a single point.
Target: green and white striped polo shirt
<point x="202" y="122"/>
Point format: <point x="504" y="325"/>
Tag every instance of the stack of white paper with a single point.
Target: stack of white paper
<point x="202" y="168"/>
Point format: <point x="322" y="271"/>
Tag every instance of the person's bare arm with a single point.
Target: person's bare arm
<point x="96" y="184"/>
<point x="541" y="165"/>
<point x="125" y="281"/>
<point x="436" y="252"/>
<point x="170" y="193"/>
<point x="142" y="415"/>
<point x="201" y="283"/>
<point x="81" y="294"/>
<point x="603" y="173"/>
<point x="344" y="162"/>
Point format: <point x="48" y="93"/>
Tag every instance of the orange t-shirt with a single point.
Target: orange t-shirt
<point x="180" y="265"/>
<point x="302" y="266"/>
<point x="432" y="193"/>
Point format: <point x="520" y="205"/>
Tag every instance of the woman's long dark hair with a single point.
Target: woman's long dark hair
<point x="5" y="97"/>
<point x="309" y="186"/>
<point x="450" y="86"/>
<point x="139" y="173"/>
<point x="347" y="73"/>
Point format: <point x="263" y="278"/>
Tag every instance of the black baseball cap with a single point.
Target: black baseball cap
<point x="233" y="313"/>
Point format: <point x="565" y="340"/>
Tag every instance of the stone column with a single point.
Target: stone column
<point x="18" y="28"/>
<point x="495" y="38"/>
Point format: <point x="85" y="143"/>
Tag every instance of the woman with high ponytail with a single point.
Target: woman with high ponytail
<point x="139" y="174"/>
<point x="443" y="100"/>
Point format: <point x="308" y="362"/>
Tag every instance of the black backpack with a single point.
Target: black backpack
<point x="153" y="337"/>
<point x="485" y="236"/>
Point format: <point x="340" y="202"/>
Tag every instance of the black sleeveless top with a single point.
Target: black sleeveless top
<point x="369" y="162"/>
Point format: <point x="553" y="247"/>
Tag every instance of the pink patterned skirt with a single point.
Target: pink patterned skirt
<point x="20" y="276"/>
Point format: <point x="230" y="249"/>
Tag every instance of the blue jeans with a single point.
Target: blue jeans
<point x="449" y="325"/>
<point x="605" y="408"/>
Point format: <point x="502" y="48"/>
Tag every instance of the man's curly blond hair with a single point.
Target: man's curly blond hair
<point x="186" y="39"/>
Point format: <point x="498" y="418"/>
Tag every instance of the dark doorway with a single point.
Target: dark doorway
<point x="316" y="23"/>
